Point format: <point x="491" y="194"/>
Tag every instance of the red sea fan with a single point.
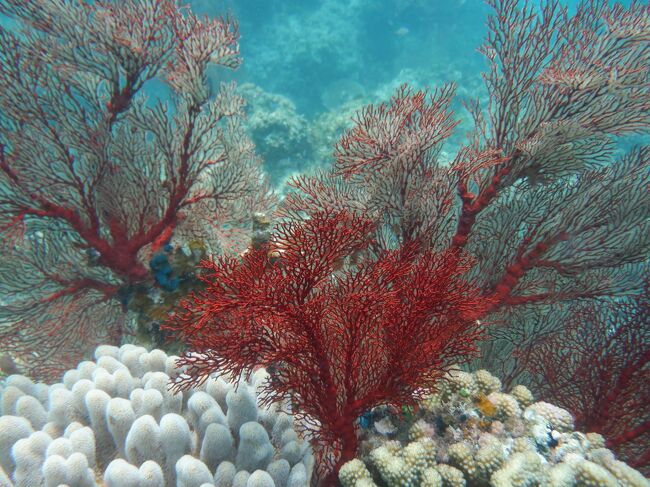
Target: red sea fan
<point x="341" y="337"/>
<point x="598" y="367"/>
<point x="94" y="178"/>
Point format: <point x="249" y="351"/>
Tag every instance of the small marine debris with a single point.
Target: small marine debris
<point x="385" y="426"/>
<point x="402" y="31"/>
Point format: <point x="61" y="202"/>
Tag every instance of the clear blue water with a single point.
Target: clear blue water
<point x="333" y="56"/>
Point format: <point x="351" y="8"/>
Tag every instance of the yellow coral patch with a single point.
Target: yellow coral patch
<point x="485" y="406"/>
<point x="197" y="245"/>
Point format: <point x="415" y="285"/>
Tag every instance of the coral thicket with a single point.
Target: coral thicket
<point x="391" y="264"/>
<point x="338" y="341"/>
<point x="114" y="422"/>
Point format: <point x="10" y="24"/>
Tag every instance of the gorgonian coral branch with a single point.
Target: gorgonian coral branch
<point x="83" y="153"/>
<point x="339" y="337"/>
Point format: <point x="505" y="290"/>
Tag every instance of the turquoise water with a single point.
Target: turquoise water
<point x="335" y="56"/>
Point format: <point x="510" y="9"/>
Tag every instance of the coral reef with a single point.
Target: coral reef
<point x="381" y="277"/>
<point x="281" y="135"/>
<point x="461" y="437"/>
<point x="114" y="422"/>
<point x="550" y="209"/>
<point x="310" y="44"/>
<point x="596" y="363"/>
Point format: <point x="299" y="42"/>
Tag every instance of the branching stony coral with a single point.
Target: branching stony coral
<point x="94" y="178"/>
<point x="533" y="443"/>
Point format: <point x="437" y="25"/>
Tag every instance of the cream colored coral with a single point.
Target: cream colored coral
<point x="353" y="472"/>
<point x="461" y="456"/>
<point x="486" y="382"/>
<point x="562" y="475"/>
<point x="455" y="382"/>
<point x="451" y="477"/>
<point x="405" y="467"/>
<point x="523" y="395"/>
<point x="421" y="429"/>
<point x="478" y="464"/>
<point x="420" y="455"/>
<point x="394" y="447"/>
<point x="522" y="445"/>
<point x="505" y="448"/>
<point x="391" y="467"/>
<point x="401" y="467"/>
<point x="590" y="474"/>
<point x="568" y="443"/>
<point x="489" y="457"/>
<point x="431" y="402"/>
<point x="365" y="483"/>
<point x="431" y="478"/>
<point x="557" y="418"/>
<point x="626" y="475"/>
<point x="521" y="470"/>
<point x="596" y="440"/>
<point x="506" y="405"/>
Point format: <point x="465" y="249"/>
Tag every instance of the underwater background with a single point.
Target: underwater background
<point x="314" y="64"/>
<point x="115" y="369"/>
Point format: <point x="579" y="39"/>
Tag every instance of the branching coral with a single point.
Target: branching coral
<point x="340" y="338"/>
<point x="529" y="212"/>
<point x="456" y="440"/>
<point x="93" y="177"/>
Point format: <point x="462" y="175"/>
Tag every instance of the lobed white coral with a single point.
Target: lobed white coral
<point x="506" y="405"/>
<point x="557" y="418"/>
<point x="115" y="422"/>
<point x="486" y="382"/>
<point x="520" y="470"/>
<point x="523" y="395"/>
